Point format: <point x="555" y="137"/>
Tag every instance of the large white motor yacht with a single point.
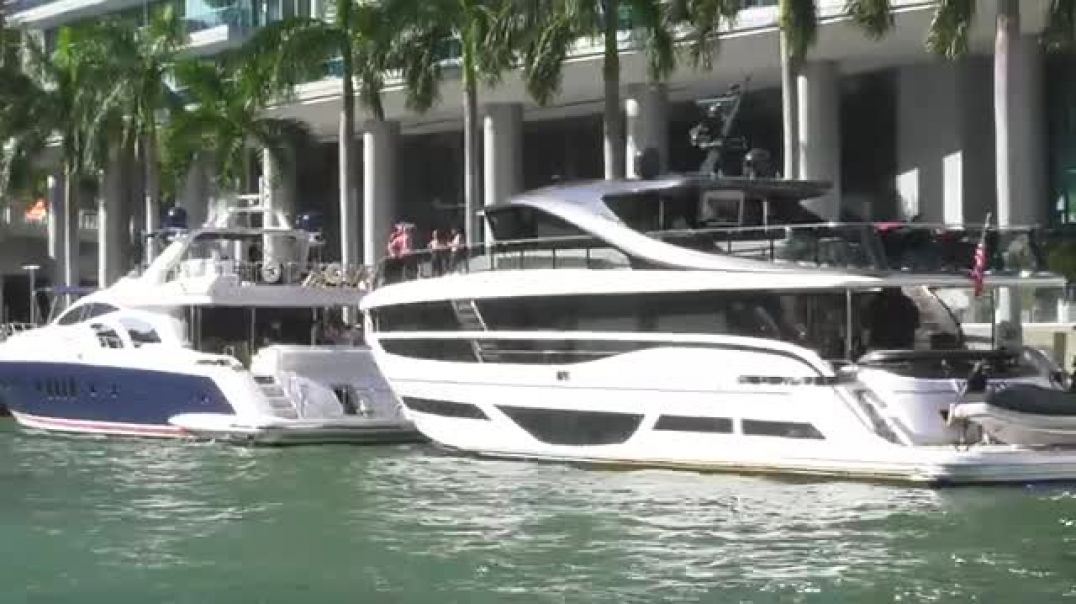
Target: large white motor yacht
<point x="233" y="332"/>
<point x="713" y="323"/>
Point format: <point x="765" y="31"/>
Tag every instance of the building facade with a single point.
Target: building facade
<point x="900" y="133"/>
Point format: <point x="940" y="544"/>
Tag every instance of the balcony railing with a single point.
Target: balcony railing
<point x="233" y="15"/>
<point x="14" y="217"/>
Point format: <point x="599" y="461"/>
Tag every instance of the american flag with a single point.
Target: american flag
<point x="978" y="268"/>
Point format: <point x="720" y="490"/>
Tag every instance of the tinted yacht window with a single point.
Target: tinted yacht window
<point x="83" y="312"/>
<point x="420" y="316"/>
<point x="524" y="222"/>
<point x="812" y="320"/>
<point x="140" y="332"/>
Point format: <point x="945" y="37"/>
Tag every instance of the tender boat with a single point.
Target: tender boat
<point x="715" y="323"/>
<point x="234" y="332"/>
<point x="1022" y="413"/>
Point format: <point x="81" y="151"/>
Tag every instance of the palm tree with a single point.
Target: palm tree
<point x="559" y="23"/>
<point x="798" y="25"/>
<point x="948" y="37"/>
<point x="55" y="95"/>
<point x="296" y="50"/>
<point x="139" y="64"/>
<point x="225" y="119"/>
<point x="486" y="32"/>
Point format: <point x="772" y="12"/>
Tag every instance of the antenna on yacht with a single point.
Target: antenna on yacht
<point x="712" y="134"/>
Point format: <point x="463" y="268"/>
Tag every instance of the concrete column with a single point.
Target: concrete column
<point x="820" y="132"/>
<point x="945" y="161"/>
<point x="502" y="128"/>
<point x="111" y="244"/>
<point x="277" y="185"/>
<point x="380" y="142"/>
<point x="1027" y="135"/>
<point x="57" y="226"/>
<point x="647" y="108"/>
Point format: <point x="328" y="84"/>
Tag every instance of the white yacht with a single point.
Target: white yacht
<point x="713" y="323"/>
<point x="233" y="332"/>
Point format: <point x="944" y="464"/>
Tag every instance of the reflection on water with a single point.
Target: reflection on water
<point x="92" y="520"/>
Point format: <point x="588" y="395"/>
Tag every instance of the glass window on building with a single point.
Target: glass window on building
<point x="277" y="10"/>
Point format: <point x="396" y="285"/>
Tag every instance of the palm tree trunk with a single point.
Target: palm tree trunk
<point x="614" y="119"/>
<point x="153" y="194"/>
<point x="789" y="110"/>
<point x="471" y="177"/>
<point x="349" y="243"/>
<point x="1008" y="29"/>
<point x="136" y="207"/>
<point x="71" y="256"/>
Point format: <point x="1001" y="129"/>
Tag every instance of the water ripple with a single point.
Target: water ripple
<point x="89" y="520"/>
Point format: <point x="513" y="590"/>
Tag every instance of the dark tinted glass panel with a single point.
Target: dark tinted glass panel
<point x="682" y="423"/>
<point x="140" y="331"/>
<point x="523" y="222"/>
<point x="753" y="427"/>
<point x="445" y="408"/>
<point x="561" y="427"/>
<point x="422" y="316"/>
<point x="432" y="350"/>
<point x="548" y="352"/>
<point x="96" y="310"/>
<point x="72" y="316"/>
<point x="813" y="320"/>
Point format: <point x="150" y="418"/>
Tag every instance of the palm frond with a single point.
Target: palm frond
<point x="799" y="20"/>
<point x="654" y="19"/>
<point x="874" y="17"/>
<point x="1060" y="30"/>
<point x="544" y="55"/>
<point x="704" y="19"/>
<point x="949" y="28"/>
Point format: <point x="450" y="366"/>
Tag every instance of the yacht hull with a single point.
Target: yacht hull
<point x="97" y="399"/>
<point x="686" y="409"/>
<point x="925" y="465"/>
<point x="77" y="398"/>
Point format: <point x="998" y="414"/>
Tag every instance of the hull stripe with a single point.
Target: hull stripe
<point x="96" y="427"/>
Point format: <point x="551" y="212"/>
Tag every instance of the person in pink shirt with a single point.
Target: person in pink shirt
<point x="394" y="245"/>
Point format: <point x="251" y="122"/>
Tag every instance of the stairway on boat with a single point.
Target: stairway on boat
<point x="470" y="319"/>
<point x="279" y="403"/>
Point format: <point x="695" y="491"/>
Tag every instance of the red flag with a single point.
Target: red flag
<point x="978" y="267"/>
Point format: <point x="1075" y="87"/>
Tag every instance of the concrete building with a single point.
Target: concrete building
<point x="900" y="133"/>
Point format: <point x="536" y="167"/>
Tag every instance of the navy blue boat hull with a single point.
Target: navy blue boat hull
<point x="107" y="400"/>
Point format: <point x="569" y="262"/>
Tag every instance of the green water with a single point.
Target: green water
<point x="116" y="521"/>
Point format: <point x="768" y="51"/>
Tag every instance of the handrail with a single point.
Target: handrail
<point x="918" y="247"/>
<point x="270" y="272"/>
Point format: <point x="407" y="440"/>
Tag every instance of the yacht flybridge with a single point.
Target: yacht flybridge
<point x="714" y="323"/>
<point x="233" y="332"/>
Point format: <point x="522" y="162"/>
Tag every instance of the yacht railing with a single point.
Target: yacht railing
<point x="911" y="247"/>
<point x="306" y="274"/>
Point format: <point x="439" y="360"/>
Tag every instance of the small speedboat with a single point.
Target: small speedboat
<point x="1023" y="414"/>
